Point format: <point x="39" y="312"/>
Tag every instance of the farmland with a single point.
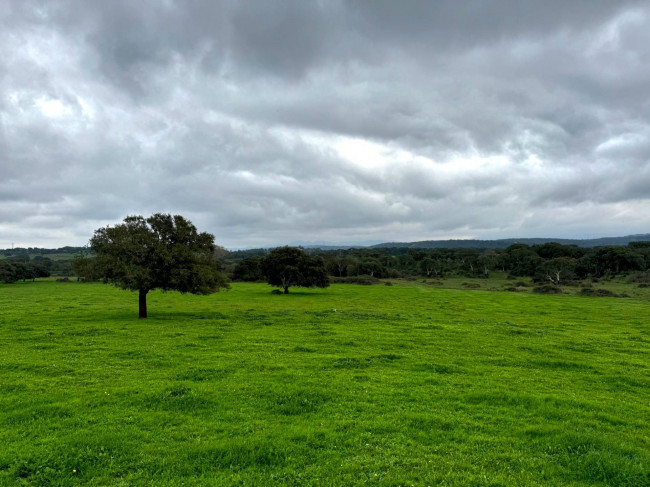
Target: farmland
<point x="409" y="384"/>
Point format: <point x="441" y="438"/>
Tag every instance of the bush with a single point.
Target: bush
<point x="521" y="284"/>
<point x="643" y="277"/>
<point x="471" y="285"/>
<point x="364" y="280"/>
<point x="605" y="293"/>
<point x="547" y="289"/>
<point x="599" y="293"/>
<point x="276" y="291"/>
<point x="394" y="274"/>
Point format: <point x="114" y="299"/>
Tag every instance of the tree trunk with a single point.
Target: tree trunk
<point x="286" y="289"/>
<point x="143" y="303"/>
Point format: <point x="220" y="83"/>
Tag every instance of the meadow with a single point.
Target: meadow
<point x="403" y="385"/>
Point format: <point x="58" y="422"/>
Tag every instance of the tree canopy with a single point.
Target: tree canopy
<point x="290" y="266"/>
<point x="160" y="252"/>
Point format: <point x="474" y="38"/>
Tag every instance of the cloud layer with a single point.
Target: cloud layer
<point x="272" y="122"/>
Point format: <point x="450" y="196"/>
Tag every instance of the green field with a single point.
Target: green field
<point x="408" y="385"/>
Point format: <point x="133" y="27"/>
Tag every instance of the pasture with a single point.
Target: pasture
<point x="407" y="385"/>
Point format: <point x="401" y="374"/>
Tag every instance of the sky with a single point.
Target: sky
<point x="282" y="122"/>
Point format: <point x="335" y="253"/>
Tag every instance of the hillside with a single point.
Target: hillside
<point x="506" y="242"/>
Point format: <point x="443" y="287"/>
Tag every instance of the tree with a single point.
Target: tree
<point x="7" y="272"/>
<point x="557" y="271"/>
<point x="428" y="266"/>
<point x="521" y="260"/>
<point x="371" y="267"/>
<point x="161" y="252"/>
<point x="289" y="266"/>
<point x="614" y="260"/>
<point x="86" y="268"/>
<point x="249" y="269"/>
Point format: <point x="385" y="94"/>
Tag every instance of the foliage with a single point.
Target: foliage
<point x="290" y="266"/>
<point x="160" y="252"/>
<point x="7" y="272"/>
<point x="547" y="289"/>
<point x="363" y="280"/>
<point x="600" y="293"/>
<point x="549" y="262"/>
<point x="21" y="268"/>
<point x="249" y="269"/>
<point x="558" y="270"/>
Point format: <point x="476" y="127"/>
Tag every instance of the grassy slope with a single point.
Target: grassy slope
<point x="401" y="385"/>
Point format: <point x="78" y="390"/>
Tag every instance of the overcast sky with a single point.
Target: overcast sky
<point x="268" y="123"/>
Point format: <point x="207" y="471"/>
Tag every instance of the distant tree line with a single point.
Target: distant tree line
<point x="549" y="262"/>
<point x="19" y="251"/>
<point x="22" y="268"/>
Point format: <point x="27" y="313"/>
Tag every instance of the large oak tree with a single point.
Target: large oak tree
<point x="160" y="252"/>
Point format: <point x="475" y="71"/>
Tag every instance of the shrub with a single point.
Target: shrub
<point x="599" y="293"/>
<point x="471" y="285"/>
<point x="364" y="280"/>
<point x="605" y="293"/>
<point x="276" y="291"/>
<point x="547" y="289"/>
<point x="643" y="277"/>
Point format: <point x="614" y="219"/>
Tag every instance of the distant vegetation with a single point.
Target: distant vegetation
<point x="506" y="242"/>
<point x="289" y="266"/>
<point x="22" y="268"/>
<point x="31" y="251"/>
<point x="551" y="262"/>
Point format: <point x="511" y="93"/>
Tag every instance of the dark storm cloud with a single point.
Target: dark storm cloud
<point x="271" y="122"/>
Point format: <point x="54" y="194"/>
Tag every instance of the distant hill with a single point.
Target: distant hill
<point x="70" y="252"/>
<point x="506" y="242"/>
<point x="62" y="252"/>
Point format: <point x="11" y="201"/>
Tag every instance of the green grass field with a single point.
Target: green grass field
<point x="408" y="385"/>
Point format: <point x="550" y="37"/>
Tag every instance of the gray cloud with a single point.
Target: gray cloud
<point x="275" y="122"/>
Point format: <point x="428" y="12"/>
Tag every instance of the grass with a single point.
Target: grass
<point x="353" y="385"/>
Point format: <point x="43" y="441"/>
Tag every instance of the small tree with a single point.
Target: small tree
<point x="289" y="266"/>
<point x="161" y="252"/>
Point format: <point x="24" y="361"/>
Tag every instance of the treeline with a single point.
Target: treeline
<point x="550" y="262"/>
<point x="21" y="268"/>
<point x="31" y="251"/>
<point x="507" y="242"/>
<point x="21" y="264"/>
